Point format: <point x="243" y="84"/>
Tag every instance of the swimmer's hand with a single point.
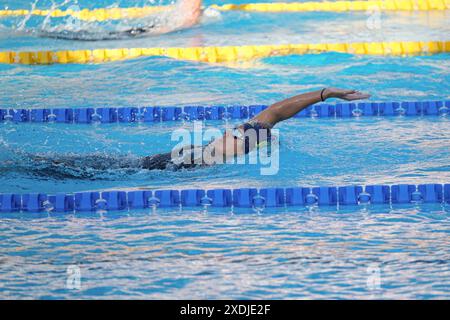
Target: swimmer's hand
<point x="345" y="94"/>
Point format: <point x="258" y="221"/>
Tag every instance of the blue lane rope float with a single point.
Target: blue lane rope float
<point x="239" y="198"/>
<point x="158" y="114"/>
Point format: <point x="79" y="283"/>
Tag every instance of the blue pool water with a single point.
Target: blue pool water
<point x="230" y="253"/>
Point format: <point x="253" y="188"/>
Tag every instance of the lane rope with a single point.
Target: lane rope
<point x="102" y="14"/>
<point x="190" y="113"/>
<point x="340" y="6"/>
<point x="115" y="200"/>
<point x="223" y="54"/>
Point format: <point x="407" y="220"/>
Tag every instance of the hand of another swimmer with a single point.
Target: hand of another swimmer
<point x="345" y="94"/>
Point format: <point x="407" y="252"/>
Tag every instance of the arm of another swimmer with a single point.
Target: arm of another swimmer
<point x="185" y="13"/>
<point x="191" y="10"/>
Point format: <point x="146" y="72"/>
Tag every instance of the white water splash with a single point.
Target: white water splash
<point x="22" y="24"/>
<point x="72" y="28"/>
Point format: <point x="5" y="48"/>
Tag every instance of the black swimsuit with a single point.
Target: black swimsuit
<point x="188" y="157"/>
<point x="164" y="161"/>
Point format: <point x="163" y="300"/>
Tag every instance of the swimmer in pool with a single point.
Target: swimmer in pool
<point x="182" y="15"/>
<point x="240" y="141"/>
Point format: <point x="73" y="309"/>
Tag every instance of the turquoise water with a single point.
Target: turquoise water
<point x="279" y="253"/>
<point x="285" y="254"/>
<point x="312" y="152"/>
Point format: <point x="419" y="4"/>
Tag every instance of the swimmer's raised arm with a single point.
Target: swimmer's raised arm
<point x="275" y="113"/>
<point x="185" y="14"/>
<point x="192" y="11"/>
<point x="287" y="108"/>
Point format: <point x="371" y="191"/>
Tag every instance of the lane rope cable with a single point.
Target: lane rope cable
<point x="223" y="54"/>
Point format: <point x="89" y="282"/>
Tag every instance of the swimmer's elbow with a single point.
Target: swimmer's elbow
<point x="192" y="20"/>
<point x="273" y="114"/>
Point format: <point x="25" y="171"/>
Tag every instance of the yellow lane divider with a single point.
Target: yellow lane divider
<point x="226" y="54"/>
<point x="102" y="14"/>
<point x="339" y="6"/>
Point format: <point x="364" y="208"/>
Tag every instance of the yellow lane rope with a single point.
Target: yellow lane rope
<point x="339" y="6"/>
<point x="335" y="6"/>
<point x="226" y="54"/>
